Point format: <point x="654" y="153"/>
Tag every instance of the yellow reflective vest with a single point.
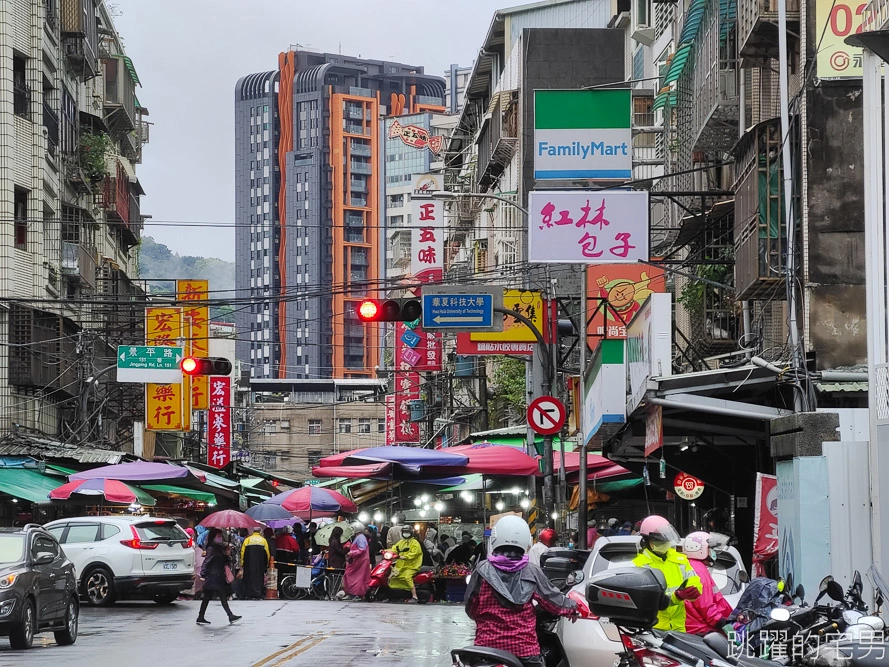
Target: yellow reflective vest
<point x="676" y="569"/>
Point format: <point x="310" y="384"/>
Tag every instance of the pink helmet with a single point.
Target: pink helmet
<point x="657" y="528"/>
<point x="697" y="546"/>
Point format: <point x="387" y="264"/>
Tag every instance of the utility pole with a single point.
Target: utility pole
<point x="583" y="508"/>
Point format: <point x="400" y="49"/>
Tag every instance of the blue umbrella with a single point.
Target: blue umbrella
<point x="264" y="512"/>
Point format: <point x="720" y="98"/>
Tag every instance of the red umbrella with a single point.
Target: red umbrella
<point x="490" y="459"/>
<point x="310" y="499"/>
<point x="113" y="490"/>
<point x="572" y="461"/>
<point x="337" y="459"/>
<point x="230" y="519"/>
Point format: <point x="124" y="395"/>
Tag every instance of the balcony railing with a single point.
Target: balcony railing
<point x="758" y="29"/>
<point x="120" y="97"/>
<point x="80" y="33"/>
<point x="358" y="185"/>
<point x="79" y="263"/>
<point x="498" y="140"/>
<point x="361" y="168"/>
<point x="361" y="149"/>
<point x="760" y="226"/>
<point x="51" y="123"/>
<point x="21" y="100"/>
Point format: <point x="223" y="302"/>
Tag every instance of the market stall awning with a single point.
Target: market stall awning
<point x="142" y="471"/>
<point x="26" y="484"/>
<point x="489" y="459"/>
<point x="572" y="462"/>
<point x="191" y="494"/>
<point x="412" y="457"/>
<point x="367" y="471"/>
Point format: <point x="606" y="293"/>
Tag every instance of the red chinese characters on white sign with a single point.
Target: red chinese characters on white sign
<point x="596" y="227"/>
<point x="427" y="233"/>
<point x="219" y="427"/>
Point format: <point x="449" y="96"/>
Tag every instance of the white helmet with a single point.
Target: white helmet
<point x="358" y="527"/>
<point x="511" y="531"/>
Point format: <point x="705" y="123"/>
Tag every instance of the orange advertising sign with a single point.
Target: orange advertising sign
<point x="163" y="407"/>
<point x="163" y="326"/>
<point x="616" y="292"/>
<point x="197" y="291"/>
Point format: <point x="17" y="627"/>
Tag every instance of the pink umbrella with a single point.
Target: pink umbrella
<point x="489" y="459"/>
<point x="572" y="461"/>
<point x="111" y="489"/>
<point x="230" y="519"/>
<point x="144" y="472"/>
<point x="309" y="499"/>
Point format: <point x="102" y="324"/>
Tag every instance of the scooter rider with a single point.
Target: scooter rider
<point x="500" y="594"/>
<point x="658" y="552"/>
<point x="410" y="559"/>
<point x="708" y="612"/>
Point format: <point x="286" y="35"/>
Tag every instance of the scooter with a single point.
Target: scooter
<point x="379" y="581"/>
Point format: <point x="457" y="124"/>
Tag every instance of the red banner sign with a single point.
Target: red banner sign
<point x="416" y="136"/>
<point x="765" y="522"/>
<point x="407" y="386"/>
<point x="219" y="428"/>
<point x="390" y="419"/>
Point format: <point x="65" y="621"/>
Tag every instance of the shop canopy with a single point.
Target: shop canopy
<point x="142" y="471"/>
<point x="411" y="457"/>
<point x="26" y="484"/>
<point x="596" y="474"/>
<point x="489" y="459"/>
<point x="572" y="461"/>
<point x="367" y="471"/>
<point x="191" y="494"/>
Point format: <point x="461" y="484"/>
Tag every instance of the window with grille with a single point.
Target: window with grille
<point x="345" y="425"/>
<point x="20" y="216"/>
<point x="643" y="116"/>
<point x="364" y="425"/>
<point x="314" y="427"/>
<point x="314" y="457"/>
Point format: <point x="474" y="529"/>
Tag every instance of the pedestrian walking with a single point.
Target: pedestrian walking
<point x="217" y="574"/>
<point x="336" y="551"/>
<point x="255" y="559"/>
<point x="357" y="577"/>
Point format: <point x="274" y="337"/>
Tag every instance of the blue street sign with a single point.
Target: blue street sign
<point x="458" y="311"/>
<point x="410" y="338"/>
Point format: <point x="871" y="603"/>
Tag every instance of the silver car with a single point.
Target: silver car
<point x="590" y="642"/>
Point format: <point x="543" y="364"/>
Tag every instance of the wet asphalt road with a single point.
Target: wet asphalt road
<point x="273" y="633"/>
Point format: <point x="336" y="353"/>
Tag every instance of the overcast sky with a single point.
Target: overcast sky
<point x="190" y="53"/>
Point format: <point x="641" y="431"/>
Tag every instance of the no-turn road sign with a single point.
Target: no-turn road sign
<point x="546" y="415"/>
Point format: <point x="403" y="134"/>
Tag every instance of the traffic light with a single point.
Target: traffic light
<point x="206" y="366"/>
<point x="389" y="310"/>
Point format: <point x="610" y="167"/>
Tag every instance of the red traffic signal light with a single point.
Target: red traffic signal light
<point x="389" y="310"/>
<point x="205" y="366"/>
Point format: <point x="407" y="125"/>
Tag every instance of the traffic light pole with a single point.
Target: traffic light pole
<point x="547" y="387"/>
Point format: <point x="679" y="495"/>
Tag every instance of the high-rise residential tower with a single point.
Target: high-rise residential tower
<point x="309" y="203"/>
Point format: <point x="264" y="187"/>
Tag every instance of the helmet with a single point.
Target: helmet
<point x="358" y="527"/>
<point x="697" y="546"/>
<point x="548" y="537"/>
<point x="658" y="534"/>
<point x="511" y="531"/>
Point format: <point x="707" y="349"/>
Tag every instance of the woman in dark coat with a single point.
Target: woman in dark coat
<point x="336" y="551"/>
<point x="213" y="572"/>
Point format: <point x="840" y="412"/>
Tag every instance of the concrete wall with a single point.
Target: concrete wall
<point x="835" y="192"/>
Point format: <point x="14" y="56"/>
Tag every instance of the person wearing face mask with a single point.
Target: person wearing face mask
<point x="410" y="558"/>
<point x="215" y="571"/>
<point x="710" y="611"/>
<point x="658" y="552"/>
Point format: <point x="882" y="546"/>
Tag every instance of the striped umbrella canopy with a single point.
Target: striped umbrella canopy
<point x="112" y="490"/>
<point x="311" y="499"/>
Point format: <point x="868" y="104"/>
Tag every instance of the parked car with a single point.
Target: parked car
<point x="591" y="641"/>
<point x="134" y="557"/>
<point x="38" y="588"/>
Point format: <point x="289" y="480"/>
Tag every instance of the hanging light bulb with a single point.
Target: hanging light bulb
<point x="378" y="517"/>
<point x="424" y="498"/>
<point x="499" y="505"/>
<point x="555" y="515"/>
<point x="363" y="517"/>
<point x="418" y="502"/>
<point x="439" y="506"/>
<point x="525" y="503"/>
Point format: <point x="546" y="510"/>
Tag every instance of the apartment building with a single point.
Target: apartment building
<point x="310" y="206"/>
<point x="71" y="133"/>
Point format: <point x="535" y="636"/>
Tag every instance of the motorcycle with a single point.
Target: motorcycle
<point x="379" y="581"/>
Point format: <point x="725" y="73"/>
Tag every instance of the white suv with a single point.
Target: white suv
<point x="127" y="557"/>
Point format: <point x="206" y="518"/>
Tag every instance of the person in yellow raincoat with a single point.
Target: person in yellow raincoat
<point x="659" y="540"/>
<point x="408" y="564"/>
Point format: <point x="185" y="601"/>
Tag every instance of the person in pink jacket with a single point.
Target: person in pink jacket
<point x="706" y="613"/>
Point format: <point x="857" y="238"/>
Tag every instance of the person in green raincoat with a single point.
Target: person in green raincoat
<point x="408" y="564"/>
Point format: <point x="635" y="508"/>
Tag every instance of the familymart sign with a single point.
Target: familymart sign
<point x="583" y="134"/>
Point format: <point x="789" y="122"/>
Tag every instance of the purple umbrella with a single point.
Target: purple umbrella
<point x="141" y="471"/>
<point x="409" y="457"/>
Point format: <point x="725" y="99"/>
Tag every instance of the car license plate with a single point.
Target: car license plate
<point x="170" y="566"/>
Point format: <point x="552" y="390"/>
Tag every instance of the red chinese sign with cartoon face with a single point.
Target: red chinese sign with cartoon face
<point x="407" y="386"/>
<point x="416" y="136"/>
<point x="219" y="425"/>
<point x="596" y="227"/>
